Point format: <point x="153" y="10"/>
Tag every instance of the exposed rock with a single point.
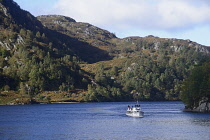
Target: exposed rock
<point x="157" y="45"/>
<point x="204" y="107"/>
<point x="94" y="83"/>
<point x="176" y="48"/>
<point x="9" y="44"/>
<point x="112" y="78"/>
<point x="203" y="49"/>
<point x="20" y="40"/>
<point x="5" y="45"/>
<point x="6" y="59"/>
<point x="4" y="9"/>
<point x="57" y="19"/>
<point x="20" y="63"/>
<point x="129" y="69"/>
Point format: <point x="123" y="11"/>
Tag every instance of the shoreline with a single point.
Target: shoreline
<point x="64" y="102"/>
<point x="10" y="104"/>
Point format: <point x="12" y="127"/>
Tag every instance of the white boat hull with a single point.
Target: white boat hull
<point x="135" y="113"/>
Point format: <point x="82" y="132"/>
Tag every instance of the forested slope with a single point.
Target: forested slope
<point x="33" y="58"/>
<point x="195" y="91"/>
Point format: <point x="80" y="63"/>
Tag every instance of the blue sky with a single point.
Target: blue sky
<point x="182" y="19"/>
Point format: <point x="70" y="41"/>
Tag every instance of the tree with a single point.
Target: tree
<point x="38" y="35"/>
<point x="196" y="86"/>
<point x="114" y="71"/>
<point x="22" y="88"/>
<point x="6" y="88"/>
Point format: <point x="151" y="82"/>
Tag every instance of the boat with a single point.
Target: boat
<point x="135" y="111"/>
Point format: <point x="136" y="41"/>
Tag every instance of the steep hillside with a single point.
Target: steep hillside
<point x="12" y="14"/>
<point x="34" y="59"/>
<point x="96" y="39"/>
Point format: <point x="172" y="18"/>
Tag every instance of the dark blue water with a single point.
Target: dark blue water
<point x="102" y="121"/>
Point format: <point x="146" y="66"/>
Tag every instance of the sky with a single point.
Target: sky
<point x="182" y="19"/>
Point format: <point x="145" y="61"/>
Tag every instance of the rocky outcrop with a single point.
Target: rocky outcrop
<point x="11" y="44"/>
<point x="204" y="107"/>
<point x="55" y="19"/>
<point x="203" y="49"/>
<point x="3" y="9"/>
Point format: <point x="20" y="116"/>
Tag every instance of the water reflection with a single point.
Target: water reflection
<point x="201" y="122"/>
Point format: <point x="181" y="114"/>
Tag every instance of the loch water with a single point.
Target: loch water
<point x="102" y="121"/>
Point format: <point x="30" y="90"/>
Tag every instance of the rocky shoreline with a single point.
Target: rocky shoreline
<point x="204" y="107"/>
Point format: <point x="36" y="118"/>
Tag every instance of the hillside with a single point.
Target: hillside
<point x="83" y="31"/>
<point x="33" y="58"/>
<point x="150" y="67"/>
<point x="54" y="58"/>
<point x="96" y="39"/>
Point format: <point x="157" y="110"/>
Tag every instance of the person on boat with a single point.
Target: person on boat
<point x="129" y="107"/>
